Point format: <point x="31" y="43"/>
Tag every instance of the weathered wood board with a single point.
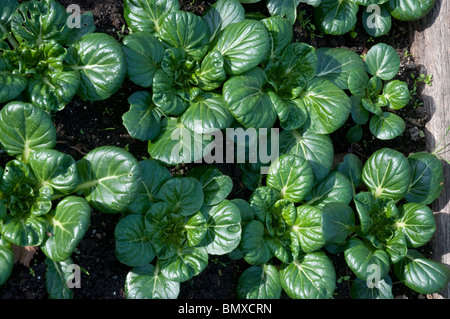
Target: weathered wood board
<point x="431" y="51"/>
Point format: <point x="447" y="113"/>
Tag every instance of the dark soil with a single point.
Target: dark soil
<point x="83" y="126"/>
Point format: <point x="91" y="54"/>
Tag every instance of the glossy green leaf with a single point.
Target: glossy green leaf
<point x="366" y="263"/>
<point x="207" y="113"/>
<point x="37" y="21"/>
<point x="427" y="180"/>
<point x="110" y="178"/>
<point x="243" y="45"/>
<point x="53" y="91"/>
<point x="177" y="144"/>
<point x="143" y="53"/>
<point x="296" y="66"/>
<point x="24" y="127"/>
<point x="307" y="229"/>
<point x="187" y="263"/>
<point x="221" y="14"/>
<point x="147" y="282"/>
<point x="328" y="106"/>
<point x="102" y="65"/>
<point x="311" y="276"/>
<point x="280" y="35"/>
<point x="212" y="73"/>
<point x="253" y="244"/>
<point x="142" y="121"/>
<point x="196" y="229"/>
<point x="223" y="222"/>
<point x="133" y="243"/>
<point x="262" y="200"/>
<point x="316" y="148"/>
<point x="422" y="275"/>
<point x="284" y="8"/>
<point x="351" y="167"/>
<point x="24" y="230"/>
<point x="383" y="61"/>
<point x="417" y="223"/>
<point x="292" y="176"/>
<point x="387" y="126"/>
<point x="336" y="17"/>
<point x="337" y="221"/>
<point x="185" y="195"/>
<point x="6" y="11"/>
<point x="387" y="173"/>
<point x="335" y="188"/>
<point x="397" y="94"/>
<point x="216" y="186"/>
<point x="259" y="282"/>
<point x="377" y="20"/>
<point x="248" y="103"/>
<point x="11" y="84"/>
<point x="6" y="260"/>
<point x="187" y="31"/>
<point x="409" y="10"/>
<point x="154" y="175"/>
<point x="363" y="204"/>
<point x="57" y="275"/>
<point x="147" y="15"/>
<point x="54" y="169"/>
<point x="68" y="225"/>
<point x="382" y="289"/>
<point x="338" y="64"/>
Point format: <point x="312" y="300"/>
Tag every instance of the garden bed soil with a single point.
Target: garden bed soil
<point x="83" y="126"/>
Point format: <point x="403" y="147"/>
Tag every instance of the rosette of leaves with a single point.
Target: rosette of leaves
<point x="339" y="17"/>
<point x="390" y="221"/>
<point x="207" y="73"/>
<point x="45" y="61"/>
<point x="374" y="92"/>
<point x="173" y="226"/>
<point x="283" y="234"/>
<point x="46" y="197"/>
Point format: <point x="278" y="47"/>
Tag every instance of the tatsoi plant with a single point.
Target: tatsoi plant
<point x="46" y="197"/>
<point x="221" y="70"/>
<point x="390" y="221"/>
<point x="372" y="87"/>
<point x="339" y="17"/>
<point x="283" y="233"/>
<point x="173" y="226"/>
<point x="45" y="60"/>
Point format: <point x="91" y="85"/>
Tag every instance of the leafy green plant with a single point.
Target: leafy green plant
<point x="393" y="221"/>
<point x="46" y="61"/>
<point x="172" y="228"/>
<point x="195" y="69"/>
<point x="376" y="214"/>
<point x="46" y="197"/>
<point x="283" y="223"/>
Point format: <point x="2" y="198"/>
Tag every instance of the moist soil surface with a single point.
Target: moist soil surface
<point x="83" y="126"/>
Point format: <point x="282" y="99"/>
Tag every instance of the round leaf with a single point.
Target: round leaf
<point x="253" y="245"/>
<point x="243" y="45"/>
<point x="185" y="195"/>
<point x="133" y="245"/>
<point x="110" y="178"/>
<point x="259" y="282"/>
<point x="24" y="127"/>
<point x="311" y="276"/>
<point x="307" y="228"/>
<point x="147" y="282"/>
<point x="187" y="263"/>
<point x="366" y="263"/>
<point x="417" y="223"/>
<point x="102" y="65"/>
<point x="383" y="61"/>
<point x="223" y="228"/>
<point x="387" y="173"/>
<point x="335" y="188"/>
<point x="337" y="220"/>
<point x="410" y="10"/>
<point x="387" y="126"/>
<point x="381" y="290"/>
<point x="427" y="180"/>
<point x="6" y="260"/>
<point x="336" y="17"/>
<point x="397" y="94"/>
<point x="292" y="176"/>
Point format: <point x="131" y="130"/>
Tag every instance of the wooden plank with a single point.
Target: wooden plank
<point x="431" y="51"/>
